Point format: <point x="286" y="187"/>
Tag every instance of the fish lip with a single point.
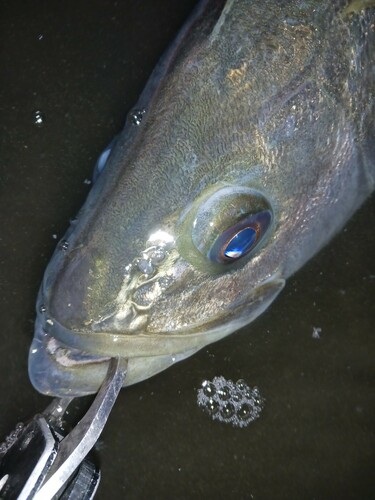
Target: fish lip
<point x="58" y="374"/>
<point x="101" y="346"/>
<point x="64" y="354"/>
<point x="44" y="332"/>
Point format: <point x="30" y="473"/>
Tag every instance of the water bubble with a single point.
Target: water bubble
<point x="244" y="411"/>
<point x="229" y="402"/>
<point x="145" y="266"/>
<point x="247" y="393"/>
<point x="157" y="256"/>
<point x="227" y="411"/>
<point x="224" y="393"/>
<point x="128" y="269"/>
<point x="212" y="406"/>
<point x="237" y="397"/>
<point x="38" y="118"/>
<point x="316" y="332"/>
<point x="64" y="245"/>
<point x="11" y="439"/>
<point x="208" y="389"/>
<point x="136" y="116"/>
<point x="241" y="384"/>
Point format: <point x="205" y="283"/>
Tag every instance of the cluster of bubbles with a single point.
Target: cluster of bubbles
<point x="230" y="402"/>
<point x="11" y="439"/>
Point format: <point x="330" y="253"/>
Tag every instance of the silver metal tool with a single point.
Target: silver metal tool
<point x="39" y="463"/>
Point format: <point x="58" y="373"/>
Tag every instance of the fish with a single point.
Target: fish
<point x="250" y="147"/>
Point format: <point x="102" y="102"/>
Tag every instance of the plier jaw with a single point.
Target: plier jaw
<point x="37" y="462"/>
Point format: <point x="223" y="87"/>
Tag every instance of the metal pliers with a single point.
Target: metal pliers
<point x="37" y="462"/>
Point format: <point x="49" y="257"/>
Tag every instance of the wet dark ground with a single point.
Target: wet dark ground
<point x="83" y="64"/>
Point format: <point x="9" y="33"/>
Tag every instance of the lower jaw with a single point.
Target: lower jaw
<point x="60" y="365"/>
<point x="60" y="371"/>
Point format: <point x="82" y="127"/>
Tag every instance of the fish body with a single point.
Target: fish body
<point x="252" y="144"/>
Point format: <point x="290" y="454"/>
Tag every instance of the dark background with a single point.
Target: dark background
<point x="83" y="64"/>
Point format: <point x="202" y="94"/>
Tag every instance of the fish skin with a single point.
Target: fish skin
<point x="252" y="95"/>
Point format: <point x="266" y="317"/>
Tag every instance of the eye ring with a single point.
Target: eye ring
<point x="223" y="227"/>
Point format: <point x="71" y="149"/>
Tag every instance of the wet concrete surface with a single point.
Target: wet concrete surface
<point x="82" y="65"/>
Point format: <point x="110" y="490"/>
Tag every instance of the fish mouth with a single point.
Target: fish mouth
<point x="65" y="362"/>
<point x="59" y="370"/>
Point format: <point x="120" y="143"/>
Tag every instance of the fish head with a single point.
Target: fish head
<point x="154" y="278"/>
<point x="221" y="189"/>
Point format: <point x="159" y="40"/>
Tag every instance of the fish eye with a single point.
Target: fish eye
<point x="223" y="226"/>
<point x="240" y="239"/>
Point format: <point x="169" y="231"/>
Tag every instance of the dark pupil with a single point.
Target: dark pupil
<point x="241" y="243"/>
<point x="240" y="239"/>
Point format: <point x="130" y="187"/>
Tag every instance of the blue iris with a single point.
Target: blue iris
<point x="241" y="243"/>
<point x="241" y="238"/>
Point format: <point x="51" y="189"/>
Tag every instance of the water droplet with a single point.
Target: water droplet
<point x="145" y="266"/>
<point x="64" y="245"/>
<point x="157" y="256"/>
<point x="128" y="269"/>
<point x="136" y="116"/>
<point x="38" y="118"/>
<point x="316" y="332"/>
